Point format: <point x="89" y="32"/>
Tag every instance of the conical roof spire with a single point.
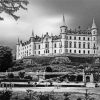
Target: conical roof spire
<point x="93" y="24"/>
<point x="63" y="21"/>
<point x="32" y="33"/>
<point x="18" y="41"/>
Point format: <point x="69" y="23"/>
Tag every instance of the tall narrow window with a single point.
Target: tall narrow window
<point x="39" y="46"/>
<point x="54" y="51"/>
<point x="79" y="38"/>
<point x="79" y="44"/>
<point x="66" y="44"/>
<point x="88" y="45"/>
<point x="47" y="45"/>
<point x="75" y="38"/>
<point x="74" y="51"/>
<point x="88" y="52"/>
<point x="70" y="37"/>
<point x="70" y="44"/>
<point x="79" y="51"/>
<point x="84" y="51"/>
<point x="74" y="44"/>
<point x="83" y="38"/>
<point x="55" y="45"/>
<point x="83" y="44"/>
<point x="70" y="51"/>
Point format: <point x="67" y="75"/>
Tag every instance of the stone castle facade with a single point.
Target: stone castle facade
<point x="78" y="41"/>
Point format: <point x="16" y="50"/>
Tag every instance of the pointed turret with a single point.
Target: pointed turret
<point x="94" y="28"/>
<point x="93" y="24"/>
<point x="63" y="21"/>
<point x="18" y="42"/>
<point x="63" y="26"/>
<point x="32" y="36"/>
<point x="32" y="33"/>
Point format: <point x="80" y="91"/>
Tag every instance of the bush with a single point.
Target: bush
<point x="5" y="95"/>
<point x="21" y="74"/>
<point x="10" y="75"/>
<point x="61" y="60"/>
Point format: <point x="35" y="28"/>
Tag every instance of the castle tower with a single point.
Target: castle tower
<point x="17" y="49"/>
<point x="94" y="28"/>
<point x="32" y="36"/>
<point x="63" y="27"/>
<point x="94" y="37"/>
<point x="63" y="33"/>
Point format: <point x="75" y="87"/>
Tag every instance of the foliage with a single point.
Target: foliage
<point x="10" y="75"/>
<point x="61" y="60"/>
<point x="28" y="77"/>
<point x="5" y="58"/>
<point x="12" y="6"/>
<point x="21" y="74"/>
<point x="5" y="95"/>
<point x="67" y="96"/>
<point x="79" y="98"/>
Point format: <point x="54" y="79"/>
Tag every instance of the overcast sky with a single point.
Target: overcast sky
<point x="46" y="16"/>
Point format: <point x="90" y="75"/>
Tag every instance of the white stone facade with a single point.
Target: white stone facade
<point x="67" y="42"/>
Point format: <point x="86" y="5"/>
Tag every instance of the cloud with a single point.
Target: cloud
<point x="46" y="16"/>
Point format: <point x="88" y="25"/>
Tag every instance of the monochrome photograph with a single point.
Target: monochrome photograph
<point x="49" y="50"/>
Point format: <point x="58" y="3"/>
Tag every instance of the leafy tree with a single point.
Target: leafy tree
<point x="21" y="74"/>
<point x="5" y="95"/>
<point x="12" y="6"/>
<point x="5" y="58"/>
<point x="10" y="75"/>
<point x="79" y="98"/>
<point x="67" y="96"/>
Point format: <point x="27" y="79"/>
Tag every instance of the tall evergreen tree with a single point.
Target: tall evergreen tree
<point x="5" y="58"/>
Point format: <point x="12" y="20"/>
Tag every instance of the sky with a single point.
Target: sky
<point x="46" y="16"/>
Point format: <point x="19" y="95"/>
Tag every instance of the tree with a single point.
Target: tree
<point x="79" y="98"/>
<point x="5" y="95"/>
<point x="12" y="6"/>
<point x="21" y="74"/>
<point x="5" y="58"/>
<point x="67" y="96"/>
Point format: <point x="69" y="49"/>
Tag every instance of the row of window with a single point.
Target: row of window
<point x="79" y="45"/>
<point x="79" y="51"/>
<point x="80" y="38"/>
<point x="47" y="46"/>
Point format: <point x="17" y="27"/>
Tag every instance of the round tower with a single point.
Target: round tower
<point x="63" y="28"/>
<point x="17" y="49"/>
<point x="94" y="28"/>
<point x="32" y="37"/>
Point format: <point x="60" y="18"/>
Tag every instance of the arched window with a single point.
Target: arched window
<point x="79" y="51"/>
<point x="79" y="38"/>
<point x="70" y="37"/>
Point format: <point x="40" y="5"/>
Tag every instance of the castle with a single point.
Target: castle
<point x="77" y="41"/>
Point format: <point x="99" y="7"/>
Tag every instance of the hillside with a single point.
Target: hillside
<point x="56" y="63"/>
